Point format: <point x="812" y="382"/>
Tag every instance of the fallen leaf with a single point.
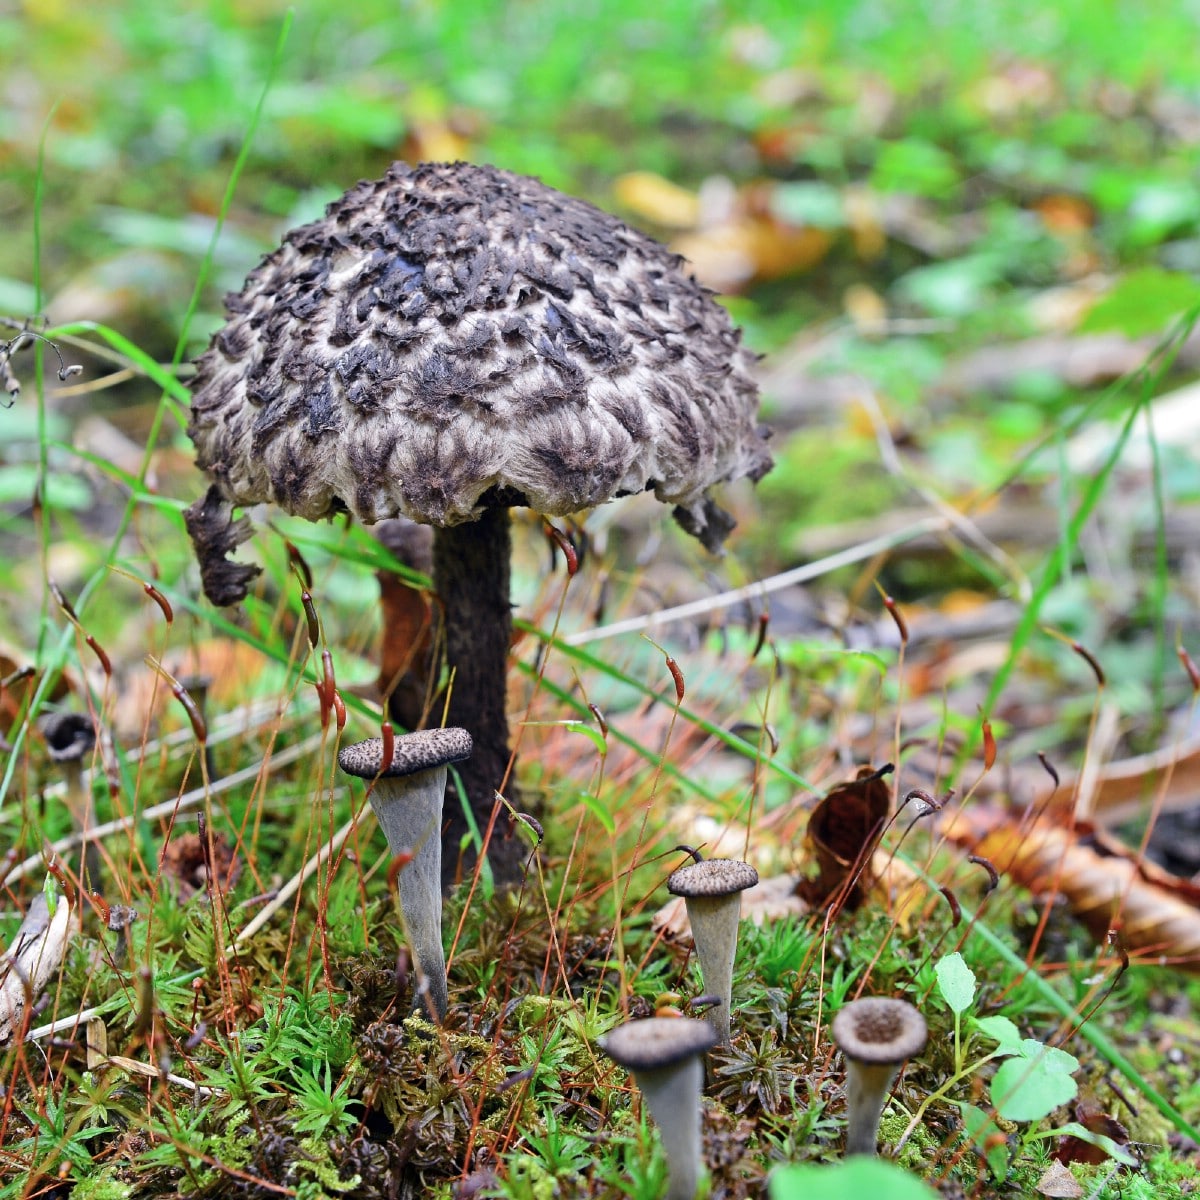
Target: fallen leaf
<point x="1103" y="891"/>
<point x="1095" y="1120"/>
<point x="842" y="833"/>
<point x="1057" y="1181"/>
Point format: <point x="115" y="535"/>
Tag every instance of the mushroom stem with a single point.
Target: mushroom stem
<point x="876" y="1035"/>
<point x="672" y="1095"/>
<point x="409" y="810"/>
<point x="471" y="575"/>
<point x="712" y="889"/>
<point x="867" y="1086"/>
<point x="665" y="1056"/>
<point x="714" y="921"/>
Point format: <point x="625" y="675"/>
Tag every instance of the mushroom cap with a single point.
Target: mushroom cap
<point x="69" y="735"/>
<point x="656" y="1042"/>
<point x="413" y="752"/>
<point x="879" y="1030"/>
<point x="451" y="336"/>
<point x="712" y="877"/>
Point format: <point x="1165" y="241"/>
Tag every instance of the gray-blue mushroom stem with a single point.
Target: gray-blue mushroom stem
<point x="407" y="800"/>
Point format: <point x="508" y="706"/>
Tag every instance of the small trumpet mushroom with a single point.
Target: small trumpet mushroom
<point x="665" y="1057"/>
<point x="712" y="889"/>
<point x="407" y="799"/>
<point x="876" y="1034"/>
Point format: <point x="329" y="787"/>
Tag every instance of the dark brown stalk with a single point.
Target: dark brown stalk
<point x="471" y="575"/>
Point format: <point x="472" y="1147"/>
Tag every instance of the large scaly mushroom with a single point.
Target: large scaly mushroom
<point x="447" y="342"/>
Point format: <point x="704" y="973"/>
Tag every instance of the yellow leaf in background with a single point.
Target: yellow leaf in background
<point x="728" y="257"/>
<point x="656" y="199"/>
<point x="434" y="140"/>
<point x="865" y="307"/>
<point x="865" y="220"/>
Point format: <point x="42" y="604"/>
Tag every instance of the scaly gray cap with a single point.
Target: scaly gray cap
<point x="712" y="877"/>
<point x="657" y="1042"/>
<point x="413" y="752"/>
<point x="452" y="330"/>
<point x="879" y="1031"/>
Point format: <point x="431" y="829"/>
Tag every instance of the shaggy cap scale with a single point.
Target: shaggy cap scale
<point x="413" y="752"/>
<point x="657" y="1042"/>
<point x="878" y="1030"/>
<point x="712" y="877"/>
<point x="453" y="330"/>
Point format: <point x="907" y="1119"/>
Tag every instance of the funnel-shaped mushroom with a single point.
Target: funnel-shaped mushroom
<point x="876" y="1035"/>
<point x="450" y="341"/>
<point x="665" y="1056"/>
<point x="407" y="798"/>
<point x="70" y="739"/>
<point x="712" y="889"/>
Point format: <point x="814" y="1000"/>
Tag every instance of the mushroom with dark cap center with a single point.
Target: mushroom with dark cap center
<point x="876" y="1034"/>
<point x="70" y="739"/>
<point x="447" y="342"/>
<point x="665" y="1056"/>
<point x="712" y="890"/>
<point x="407" y="798"/>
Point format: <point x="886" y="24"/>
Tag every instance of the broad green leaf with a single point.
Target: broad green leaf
<point x="956" y="982"/>
<point x="1142" y="303"/>
<point x="850" y="1180"/>
<point x="1053" y="1058"/>
<point x="1003" y="1032"/>
<point x="1028" y="1089"/>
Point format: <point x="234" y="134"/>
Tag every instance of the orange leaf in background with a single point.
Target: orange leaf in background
<point x="15" y="693"/>
<point x="656" y="199"/>
<point x="842" y="833"/>
<point x="1103" y="892"/>
<point x="1065" y="215"/>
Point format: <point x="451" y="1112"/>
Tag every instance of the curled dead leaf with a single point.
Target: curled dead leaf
<point x="842" y="834"/>
<point x="1105" y="891"/>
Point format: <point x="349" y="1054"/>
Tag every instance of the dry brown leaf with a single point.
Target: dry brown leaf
<point x="16" y="687"/>
<point x="1103" y="892"/>
<point x="842" y="832"/>
<point x="1095" y="1120"/>
<point x="1126" y="788"/>
<point x="1064" y="214"/>
<point x="1058" y="1182"/>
